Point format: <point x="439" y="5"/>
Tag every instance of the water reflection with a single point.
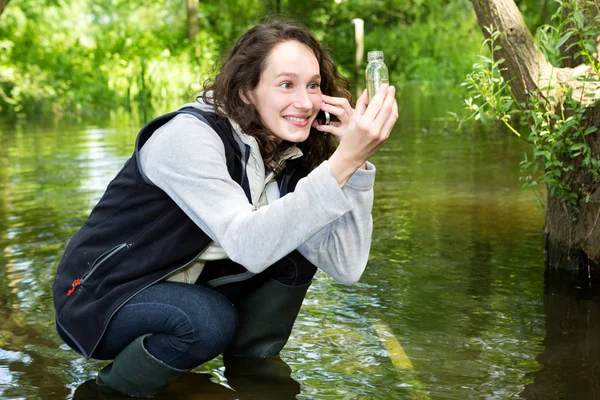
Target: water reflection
<point x="29" y="356"/>
<point x="268" y="379"/>
<point x="190" y="386"/>
<point x="570" y="366"/>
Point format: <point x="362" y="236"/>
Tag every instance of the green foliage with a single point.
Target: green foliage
<point x="561" y="156"/>
<point x="225" y="20"/>
<point x="489" y="92"/>
<point x="84" y="56"/>
<point x="572" y="30"/>
<point x="429" y="49"/>
<point x="537" y="13"/>
<point x="427" y="40"/>
<point x="559" y="144"/>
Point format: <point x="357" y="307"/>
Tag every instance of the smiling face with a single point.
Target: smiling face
<point x="288" y="94"/>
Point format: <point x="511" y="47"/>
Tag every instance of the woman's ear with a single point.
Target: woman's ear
<point x="244" y="98"/>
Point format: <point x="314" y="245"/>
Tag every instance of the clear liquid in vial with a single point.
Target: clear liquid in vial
<point x="376" y="73"/>
<point x="373" y="85"/>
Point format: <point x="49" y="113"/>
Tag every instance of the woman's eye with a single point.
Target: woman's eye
<point x="285" y="85"/>
<point x="314" y="86"/>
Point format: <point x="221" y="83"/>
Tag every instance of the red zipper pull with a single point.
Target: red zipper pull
<point x="74" y="285"/>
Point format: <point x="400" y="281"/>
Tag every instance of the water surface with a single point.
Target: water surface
<point x="452" y="306"/>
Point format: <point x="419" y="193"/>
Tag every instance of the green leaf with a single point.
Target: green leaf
<point x="486" y="59"/>
<point x="500" y="61"/>
<point x="482" y="116"/>
<point x="562" y="40"/>
<point x="578" y="16"/>
<point x="578" y="146"/>
<point x="591" y="47"/>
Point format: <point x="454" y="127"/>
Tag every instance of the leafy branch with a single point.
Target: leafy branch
<point x="561" y="157"/>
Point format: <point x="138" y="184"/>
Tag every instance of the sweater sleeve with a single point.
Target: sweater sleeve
<point x="341" y="248"/>
<point x="186" y="159"/>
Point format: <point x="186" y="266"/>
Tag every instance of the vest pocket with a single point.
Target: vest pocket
<point x="102" y="259"/>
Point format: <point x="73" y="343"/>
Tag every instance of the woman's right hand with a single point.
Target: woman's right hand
<point x="370" y="127"/>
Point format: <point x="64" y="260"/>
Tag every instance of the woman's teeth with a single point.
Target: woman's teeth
<point x="295" y="119"/>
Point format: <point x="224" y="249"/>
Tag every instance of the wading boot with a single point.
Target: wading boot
<point x="136" y="373"/>
<point x="266" y="318"/>
<point x="261" y="378"/>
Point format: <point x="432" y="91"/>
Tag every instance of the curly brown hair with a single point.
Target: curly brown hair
<point x="240" y="73"/>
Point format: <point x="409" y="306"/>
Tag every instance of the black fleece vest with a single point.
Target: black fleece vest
<point x="135" y="236"/>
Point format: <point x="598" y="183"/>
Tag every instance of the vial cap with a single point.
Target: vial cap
<point x="375" y="55"/>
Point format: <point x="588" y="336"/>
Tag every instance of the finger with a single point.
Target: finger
<point x="388" y="126"/>
<point x="385" y="111"/>
<point x="331" y="128"/>
<point x="361" y="105"/>
<point x="334" y="110"/>
<point x="340" y="102"/>
<point x="375" y="104"/>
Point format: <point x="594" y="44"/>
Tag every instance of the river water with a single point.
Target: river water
<point x="453" y="304"/>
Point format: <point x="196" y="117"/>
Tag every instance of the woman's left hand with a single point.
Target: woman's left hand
<point x="340" y="107"/>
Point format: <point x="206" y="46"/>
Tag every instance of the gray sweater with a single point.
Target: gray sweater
<point x="329" y="226"/>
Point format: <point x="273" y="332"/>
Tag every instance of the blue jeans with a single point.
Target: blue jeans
<point x="191" y="324"/>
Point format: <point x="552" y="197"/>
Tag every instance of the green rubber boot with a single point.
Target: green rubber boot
<point x="266" y="318"/>
<point x="136" y="373"/>
<point x="261" y="378"/>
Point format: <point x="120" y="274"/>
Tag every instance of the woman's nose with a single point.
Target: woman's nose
<point x="303" y="100"/>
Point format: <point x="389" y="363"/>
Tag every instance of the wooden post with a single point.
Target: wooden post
<point x="359" y="39"/>
<point x="192" y="19"/>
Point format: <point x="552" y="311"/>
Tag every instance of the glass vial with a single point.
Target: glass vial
<point x="376" y="73"/>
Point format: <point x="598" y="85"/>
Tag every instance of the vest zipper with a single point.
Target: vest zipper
<point x="245" y="164"/>
<point x="271" y="177"/>
<point x="95" y="265"/>
<point x="102" y="259"/>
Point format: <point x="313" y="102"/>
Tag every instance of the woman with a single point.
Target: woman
<point x="208" y="238"/>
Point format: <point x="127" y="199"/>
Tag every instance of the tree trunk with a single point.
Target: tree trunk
<point x="569" y="361"/>
<point x="192" y="19"/>
<point x="572" y="234"/>
<point x="3" y="4"/>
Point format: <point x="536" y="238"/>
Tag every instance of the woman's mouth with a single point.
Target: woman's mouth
<point x="297" y="120"/>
